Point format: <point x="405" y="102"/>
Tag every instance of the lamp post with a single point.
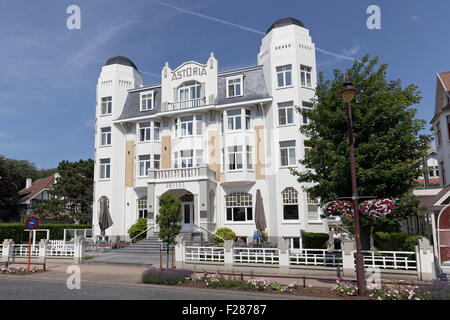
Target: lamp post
<point x="347" y="93"/>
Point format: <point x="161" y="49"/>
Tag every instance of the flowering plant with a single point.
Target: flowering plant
<point x="345" y="289"/>
<point x="399" y="292"/>
<point x="376" y="209"/>
<point x="338" y="208"/>
<point x="14" y="270"/>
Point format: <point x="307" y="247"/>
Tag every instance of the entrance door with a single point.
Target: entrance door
<point x="188" y="216"/>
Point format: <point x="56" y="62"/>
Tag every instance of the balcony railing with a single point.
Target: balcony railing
<point x="182" y="174"/>
<point x="188" y="104"/>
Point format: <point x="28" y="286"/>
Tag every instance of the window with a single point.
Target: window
<point x="287" y="151"/>
<point x="186" y="158"/>
<point x="234" y="120"/>
<point x="189" y="91"/>
<point x="147" y="101"/>
<point x="187" y="125"/>
<point x="175" y="127"/>
<point x="234" y="87"/>
<point x="448" y="127"/>
<point x="444" y="182"/>
<point x="199" y="124"/>
<point x="144" y="131"/>
<point x="308" y="145"/>
<point x="305" y="76"/>
<point x="223" y="159"/>
<point x="142" y="207"/>
<point x="249" y="158"/>
<point x="294" y="242"/>
<point x="144" y="165"/>
<point x="198" y="157"/>
<point x="157" y="131"/>
<point x="285" y="113"/>
<point x="235" y="158"/>
<point x="247" y="119"/>
<point x="105" y="136"/>
<point x="439" y="136"/>
<point x="290" y="204"/>
<point x="105" y="168"/>
<point x="284" y="76"/>
<point x="175" y="159"/>
<point x="313" y="207"/>
<point x="306" y="106"/>
<point x="156" y="161"/>
<point x="106" y="106"/>
<point x="239" y="206"/>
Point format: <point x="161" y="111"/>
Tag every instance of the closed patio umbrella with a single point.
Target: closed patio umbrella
<point x="104" y="219"/>
<point x="260" y="218"/>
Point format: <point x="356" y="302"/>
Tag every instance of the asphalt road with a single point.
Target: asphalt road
<point x="17" y="288"/>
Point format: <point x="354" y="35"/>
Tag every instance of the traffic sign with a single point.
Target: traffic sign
<point x="31" y="222"/>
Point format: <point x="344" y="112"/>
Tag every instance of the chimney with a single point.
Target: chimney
<point x="28" y="183"/>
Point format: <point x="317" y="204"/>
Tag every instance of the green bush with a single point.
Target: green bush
<point x="225" y="233"/>
<point x="138" y="227"/>
<point x="168" y="276"/>
<point x="385" y="241"/>
<point x="311" y="240"/>
<point x="16" y="231"/>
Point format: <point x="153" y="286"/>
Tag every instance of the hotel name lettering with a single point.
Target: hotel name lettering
<point x="188" y="72"/>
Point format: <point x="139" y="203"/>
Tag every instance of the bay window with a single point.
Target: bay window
<point x="156" y="161"/>
<point x="144" y="165"/>
<point x="144" y="131"/>
<point x="157" y="131"/>
<point x="235" y="158"/>
<point x="186" y="158"/>
<point x="186" y="125"/>
<point x="234" y="120"/>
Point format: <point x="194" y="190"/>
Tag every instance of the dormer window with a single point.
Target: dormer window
<point x="147" y="100"/>
<point x="234" y="86"/>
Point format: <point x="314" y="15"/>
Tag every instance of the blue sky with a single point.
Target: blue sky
<point x="48" y="73"/>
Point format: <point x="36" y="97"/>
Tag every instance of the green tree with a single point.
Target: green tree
<point x="388" y="144"/>
<point x="169" y="220"/>
<point x="72" y="196"/>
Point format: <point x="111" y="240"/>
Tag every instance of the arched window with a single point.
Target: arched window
<point x="190" y="90"/>
<point x="239" y="206"/>
<point x="142" y="207"/>
<point x="290" y="204"/>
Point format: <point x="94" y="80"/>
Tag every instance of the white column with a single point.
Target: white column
<point x="283" y="247"/>
<point x="6" y="249"/>
<point x="78" y="249"/>
<point x="229" y="254"/>
<point x="348" y="258"/>
<point x="425" y="260"/>
<point x="180" y="251"/>
<point x="43" y="249"/>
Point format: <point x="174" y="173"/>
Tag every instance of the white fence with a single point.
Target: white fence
<point x="45" y="249"/>
<point x="315" y="257"/>
<point x="213" y="254"/>
<point x="21" y="250"/>
<point x="256" y="255"/>
<point x="403" y="260"/>
<point x="65" y="250"/>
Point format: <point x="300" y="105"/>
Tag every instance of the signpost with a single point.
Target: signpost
<point x="31" y="223"/>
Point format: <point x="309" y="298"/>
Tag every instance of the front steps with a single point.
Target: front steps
<point x="151" y="245"/>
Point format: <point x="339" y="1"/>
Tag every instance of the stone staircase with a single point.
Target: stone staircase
<point x="151" y="245"/>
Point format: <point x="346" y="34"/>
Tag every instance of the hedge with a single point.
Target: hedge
<point x="312" y="240"/>
<point x="16" y="231"/>
<point x="385" y="241"/>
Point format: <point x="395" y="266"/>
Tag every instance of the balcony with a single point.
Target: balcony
<point x="182" y="105"/>
<point x="181" y="174"/>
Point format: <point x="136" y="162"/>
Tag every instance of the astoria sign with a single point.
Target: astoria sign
<point x="188" y="72"/>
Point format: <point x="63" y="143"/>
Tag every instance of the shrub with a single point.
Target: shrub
<point x="398" y="292"/>
<point x="312" y="240"/>
<point x="138" y="227"/>
<point x="384" y="241"/>
<point x="436" y="290"/>
<point x="258" y="284"/>
<point x="344" y="289"/>
<point x="166" y="276"/>
<point x="225" y="233"/>
<point x="16" y="231"/>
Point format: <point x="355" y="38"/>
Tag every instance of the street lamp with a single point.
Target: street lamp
<point x="347" y="93"/>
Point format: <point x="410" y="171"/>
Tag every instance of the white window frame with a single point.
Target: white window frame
<point x="187" y="88"/>
<point x="198" y="124"/>
<point x="198" y="157"/>
<point x="249" y="152"/>
<point x="306" y="76"/>
<point x="290" y="150"/>
<point x="283" y="70"/>
<point x="142" y="207"/>
<point x="185" y="124"/>
<point x="105" y="136"/>
<point x="284" y="107"/>
<point x="234" y="153"/>
<point x="241" y="84"/>
<point x="289" y="197"/>
<point x="144" y="164"/>
<point x="152" y="99"/>
<point x="248" y="119"/>
<point x="234" y="120"/>
<point x="186" y="159"/>
<point x="156" y="131"/>
<point x="105" y="169"/>
<point x="106" y="106"/>
<point x="145" y="130"/>
<point x="239" y="200"/>
<point x="306" y="106"/>
<point x="157" y="160"/>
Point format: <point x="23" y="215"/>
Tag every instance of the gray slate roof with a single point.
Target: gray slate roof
<point x="254" y="89"/>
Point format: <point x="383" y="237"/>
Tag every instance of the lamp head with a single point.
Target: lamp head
<point x="348" y="90"/>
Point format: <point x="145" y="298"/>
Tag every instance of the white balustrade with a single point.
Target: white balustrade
<point x="315" y="257"/>
<point x="214" y="254"/>
<point x="65" y="250"/>
<point x="256" y="255"/>
<point x="404" y="260"/>
<point x="21" y="250"/>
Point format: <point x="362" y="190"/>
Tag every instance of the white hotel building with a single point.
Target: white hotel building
<point x="211" y="138"/>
